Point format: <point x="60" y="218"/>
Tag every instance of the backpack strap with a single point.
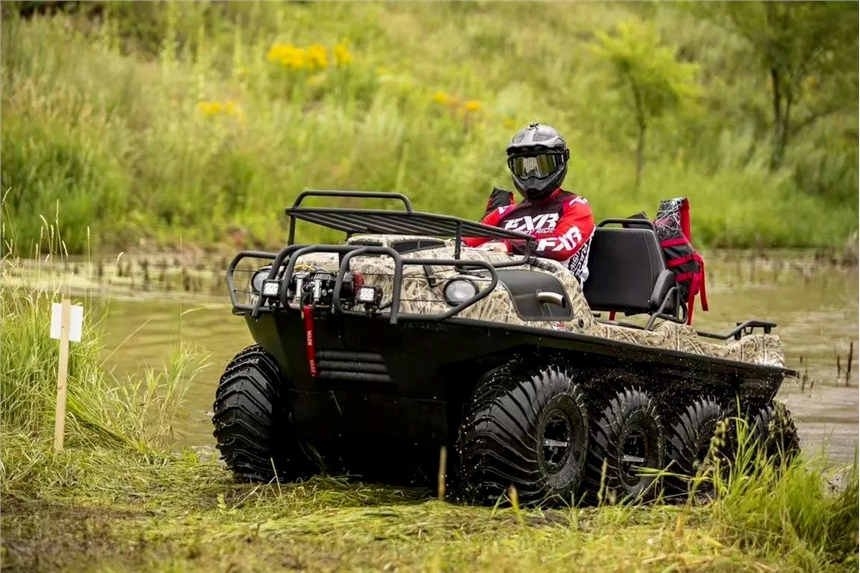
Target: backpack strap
<point x="684" y="213"/>
<point x="697" y="285"/>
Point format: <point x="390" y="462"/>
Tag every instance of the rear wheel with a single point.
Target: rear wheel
<point x="688" y="445"/>
<point x="252" y="420"/>
<point x="775" y="433"/>
<point x="627" y="437"/>
<point x="529" y="431"/>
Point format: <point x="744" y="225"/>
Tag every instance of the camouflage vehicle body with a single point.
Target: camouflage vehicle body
<point x="377" y="388"/>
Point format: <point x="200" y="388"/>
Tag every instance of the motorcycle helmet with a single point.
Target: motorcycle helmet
<point x="537" y="160"/>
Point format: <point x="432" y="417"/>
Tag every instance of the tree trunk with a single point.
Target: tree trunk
<point x="643" y="126"/>
<point x="776" y="93"/>
<point x="785" y="128"/>
<point x="775" y="87"/>
<point x="640" y="153"/>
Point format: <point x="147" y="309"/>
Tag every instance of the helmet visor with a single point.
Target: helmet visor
<point x="542" y="165"/>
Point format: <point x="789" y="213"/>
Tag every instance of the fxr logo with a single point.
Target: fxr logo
<point x="566" y="242"/>
<point x="545" y="222"/>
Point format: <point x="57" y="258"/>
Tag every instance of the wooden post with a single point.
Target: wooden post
<point x="443" y="462"/>
<point x="62" y="373"/>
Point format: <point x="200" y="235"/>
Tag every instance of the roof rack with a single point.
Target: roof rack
<point x="383" y="221"/>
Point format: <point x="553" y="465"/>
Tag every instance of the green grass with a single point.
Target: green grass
<point x="101" y="509"/>
<point x="103" y="117"/>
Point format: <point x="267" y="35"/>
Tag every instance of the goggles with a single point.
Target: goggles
<point x="542" y="165"/>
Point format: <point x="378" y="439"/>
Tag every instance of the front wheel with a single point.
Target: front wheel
<point x="252" y="420"/>
<point x="626" y="438"/>
<point x="524" y="430"/>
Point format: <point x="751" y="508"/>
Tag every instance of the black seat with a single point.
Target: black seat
<point x="627" y="272"/>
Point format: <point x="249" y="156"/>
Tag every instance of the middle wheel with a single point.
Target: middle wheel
<point x="627" y="437"/>
<point x="529" y="431"/>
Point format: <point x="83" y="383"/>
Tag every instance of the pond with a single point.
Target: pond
<point x="815" y="306"/>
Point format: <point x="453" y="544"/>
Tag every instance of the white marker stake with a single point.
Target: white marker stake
<point x="66" y="324"/>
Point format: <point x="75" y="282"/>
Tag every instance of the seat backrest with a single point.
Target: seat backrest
<point x="623" y="266"/>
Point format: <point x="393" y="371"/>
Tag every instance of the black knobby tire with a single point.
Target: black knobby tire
<point x="775" y="433"/>
<point x="689" y="443"/>
<point x="252" y="422"/>
<point x="627" y="435"/>
<point x="529" y="430"/>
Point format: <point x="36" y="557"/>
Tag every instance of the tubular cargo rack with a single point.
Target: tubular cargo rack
<point x="383" y="221"/>
<point x="376" y="221"/>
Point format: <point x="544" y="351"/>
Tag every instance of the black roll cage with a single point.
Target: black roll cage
<point x="377" y="221"/>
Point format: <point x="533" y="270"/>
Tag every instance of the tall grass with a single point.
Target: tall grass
<point x="771" y="519"/>
<point x="138" y="412"/>
<point x="167" y="122"/>
<point x="801" y="506"/>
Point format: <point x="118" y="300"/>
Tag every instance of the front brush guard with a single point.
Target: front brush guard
<point x="292" y="254"/>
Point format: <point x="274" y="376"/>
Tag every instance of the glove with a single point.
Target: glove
<point x="499" y="198"/>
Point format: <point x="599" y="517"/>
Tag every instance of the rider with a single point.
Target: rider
<point x="561" y="221"/>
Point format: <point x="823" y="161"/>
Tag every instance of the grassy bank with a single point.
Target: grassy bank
<point x="99" y="509"/>
<point x="122" y="497"/>
<point x="167" y="124"/>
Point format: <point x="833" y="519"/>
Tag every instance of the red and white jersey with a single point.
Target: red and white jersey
<point x="563" y="225"/>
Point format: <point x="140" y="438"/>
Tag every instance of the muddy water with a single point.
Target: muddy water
<point x="815" y="306"/>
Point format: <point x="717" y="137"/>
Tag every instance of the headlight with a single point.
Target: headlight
<point x="257" y="280"/>
<point x="459" y="290"/>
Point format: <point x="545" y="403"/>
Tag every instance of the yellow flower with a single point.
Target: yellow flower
<point x="230" y="108"/>
<point x="317" y="57"/>
<point x="287" y="55"/>
<point x="341" y="54"/>
<point x="472" y="105"/>
<point x="510" y="123"/>
<point x="443" y="99"/>
<point x="209" y="108"/>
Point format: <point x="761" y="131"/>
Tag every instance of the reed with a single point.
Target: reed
<point x="139" y="411"/>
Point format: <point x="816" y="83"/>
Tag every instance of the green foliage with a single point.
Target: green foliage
<point x="808" y="50"/>
<point x="655" y="81"/>
<point x="155" y="124"/>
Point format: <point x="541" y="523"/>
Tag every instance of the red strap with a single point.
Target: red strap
<point x="680" y="260"/>
<point x="674" y="242"/>
<point x="612" y="315"/>
<point x="691" y="298"/>
<point x="685" y="219"/>
<point x="704" y="294"/>
<point x="697" y="284"/>
<point x="308" y="312"/>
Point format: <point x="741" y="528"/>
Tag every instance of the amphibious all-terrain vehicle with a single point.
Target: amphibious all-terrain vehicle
<point x="374" y="353"/>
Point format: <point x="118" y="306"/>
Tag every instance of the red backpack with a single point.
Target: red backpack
<point x="673" y="232"/>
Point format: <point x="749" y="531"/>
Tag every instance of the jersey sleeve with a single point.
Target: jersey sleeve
<point x="572" y="232"/>
<point x="492" y="218"/>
